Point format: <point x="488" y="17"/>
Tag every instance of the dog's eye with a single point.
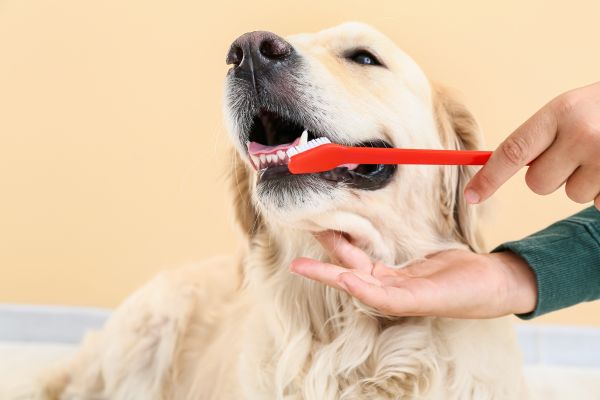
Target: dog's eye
<point x="363" y="57"/>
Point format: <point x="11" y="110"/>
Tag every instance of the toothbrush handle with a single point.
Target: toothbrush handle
<point x="371" y="155"/>
<point x="329" y="156"/>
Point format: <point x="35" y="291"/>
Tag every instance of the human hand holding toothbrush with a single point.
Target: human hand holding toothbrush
<point x="561" y="143"/>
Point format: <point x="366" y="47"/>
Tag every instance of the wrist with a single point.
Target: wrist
<point x="521" y="282"/>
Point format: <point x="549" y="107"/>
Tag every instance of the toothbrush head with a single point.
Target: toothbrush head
<point x="316" y="155"/>
<point x="311" y="144"/>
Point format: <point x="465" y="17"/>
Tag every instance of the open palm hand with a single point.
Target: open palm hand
<point x="453" y="283"/>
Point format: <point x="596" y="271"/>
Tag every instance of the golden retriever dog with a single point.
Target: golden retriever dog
<point x="245" y="327"/>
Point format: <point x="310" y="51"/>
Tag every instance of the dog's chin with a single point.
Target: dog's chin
<point x="313" y="206"/>
<point x="295" y="198"/>
<point x="289" y="199"/>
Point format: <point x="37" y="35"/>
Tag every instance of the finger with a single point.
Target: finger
<point x="323" y="272"/>
<point x="519" y="149"/>
<point x="346" y="253"/>
<point x="388" y="300"/>
<point x="584" y="185"/>
<point x="318" y="271"/>
<point x="552" y="168"/>
<point x="597" y="202"/>
<point x="381" y="270"/>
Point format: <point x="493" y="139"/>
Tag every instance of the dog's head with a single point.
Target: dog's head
<point x="354" y="86"/>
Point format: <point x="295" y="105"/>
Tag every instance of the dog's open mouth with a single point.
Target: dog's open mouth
<point x="272" y="135"/>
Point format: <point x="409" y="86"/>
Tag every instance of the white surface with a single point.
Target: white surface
<point x="48" y="324"/>
<point x="21" y="364"/>
<point x="563" y="383"/>
<point x="559" y="345"/>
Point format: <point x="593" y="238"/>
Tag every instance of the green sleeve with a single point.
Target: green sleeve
<point x="566" y="260"/>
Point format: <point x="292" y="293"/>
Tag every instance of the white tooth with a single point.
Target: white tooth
<point x="255" y="160"/>
<point x="304" y="137"/>
<point x="270" y="158"/>
<point x="263" y="158"/>
<point x="280" y="154"/>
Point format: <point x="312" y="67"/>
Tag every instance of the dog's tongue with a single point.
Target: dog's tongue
<point x="257" y="149"/>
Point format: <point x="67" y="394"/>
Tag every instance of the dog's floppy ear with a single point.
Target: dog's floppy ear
<point x="245" y="212"/>
<point x="458" y="130"/>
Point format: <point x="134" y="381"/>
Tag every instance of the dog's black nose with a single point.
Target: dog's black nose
<point x="258" y="51"/>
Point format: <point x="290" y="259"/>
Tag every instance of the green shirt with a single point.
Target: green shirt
<point x="566" y="260"/>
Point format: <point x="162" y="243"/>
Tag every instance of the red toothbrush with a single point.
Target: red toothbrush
<point x="320" y="155"/>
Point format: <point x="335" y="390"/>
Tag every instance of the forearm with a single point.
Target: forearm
<point x="565" y="258"/>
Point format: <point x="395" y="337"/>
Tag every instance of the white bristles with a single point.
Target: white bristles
<point x="292" y="151"/>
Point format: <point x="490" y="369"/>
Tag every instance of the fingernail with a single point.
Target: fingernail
<point x="296" y="273"/>
<point x="472" y="196"/>
<point x="293" y="269"/>
<point x="340" y="281"/>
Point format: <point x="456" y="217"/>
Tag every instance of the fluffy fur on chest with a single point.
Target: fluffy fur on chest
<point x="319" y="343"/>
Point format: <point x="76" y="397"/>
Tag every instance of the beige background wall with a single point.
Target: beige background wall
<point x="112" y="149"/>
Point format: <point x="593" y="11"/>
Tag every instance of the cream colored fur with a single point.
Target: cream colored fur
<point x="245" y="328"/>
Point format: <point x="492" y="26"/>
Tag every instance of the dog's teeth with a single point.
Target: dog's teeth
<point x="255" y="160"/>
<point x="263" y="159"/>
<point x="281" y="155"/>
<point x="292" y="151"/>
<point x="304" y="137"/>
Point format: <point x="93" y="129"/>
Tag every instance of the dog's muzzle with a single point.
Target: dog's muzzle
<point x="266" y="96"/>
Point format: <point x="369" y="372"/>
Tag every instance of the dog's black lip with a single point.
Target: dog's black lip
<point x="375" y="177"/>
